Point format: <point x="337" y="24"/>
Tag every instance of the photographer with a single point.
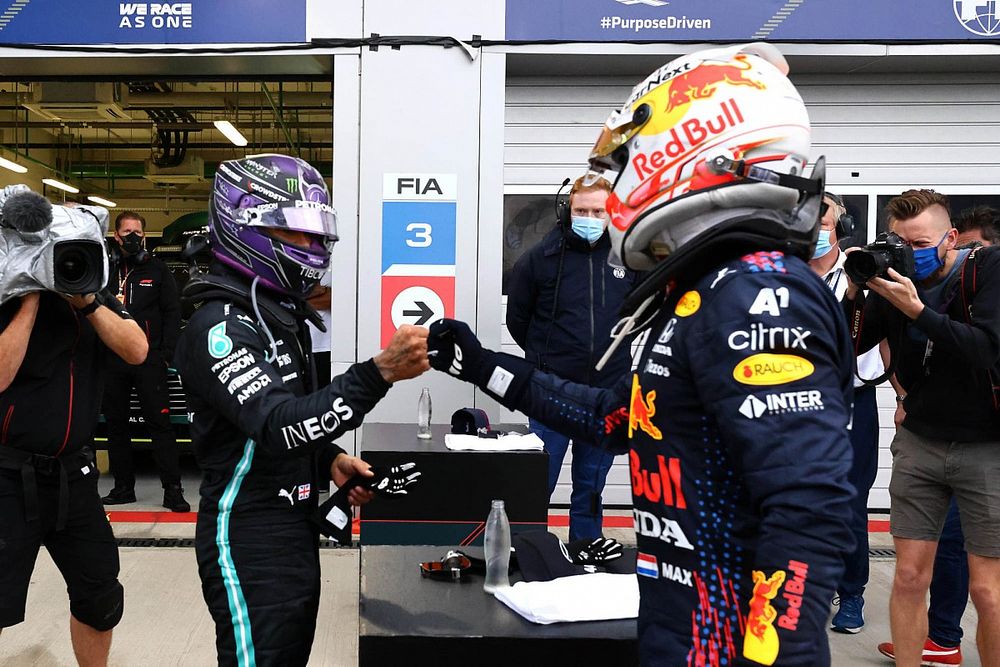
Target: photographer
<point x="943" y="328"/>
<point x="53" y="351"/>
<point x="147" y="289"/>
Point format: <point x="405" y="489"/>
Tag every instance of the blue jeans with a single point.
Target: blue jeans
<point x="864" y="445"/>
<point x="590" y="472"/>
<point x="950" y="583"/>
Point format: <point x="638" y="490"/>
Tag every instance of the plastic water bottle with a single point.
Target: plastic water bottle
<point x="497" y="548"/>
<point x="424" y="414"/>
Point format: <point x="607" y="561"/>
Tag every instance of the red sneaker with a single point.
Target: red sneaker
<point x="934" y="655"/>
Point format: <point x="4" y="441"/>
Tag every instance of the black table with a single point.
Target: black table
<point x="406" y="619"/>
<point x="451" y="502"/>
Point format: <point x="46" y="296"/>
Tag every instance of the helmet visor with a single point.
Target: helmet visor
<point x="617" y="131"/>
<point x="304" y="216"/>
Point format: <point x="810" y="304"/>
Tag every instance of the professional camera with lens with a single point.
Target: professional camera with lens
<point x="46" y="247"/>
<point x="887" y="251"/>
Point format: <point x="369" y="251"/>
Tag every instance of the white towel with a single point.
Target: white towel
<point x="504" y="443"/>
<point x="583" y="597"/>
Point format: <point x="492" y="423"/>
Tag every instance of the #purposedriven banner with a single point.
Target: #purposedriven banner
<point x="743" y="20"/>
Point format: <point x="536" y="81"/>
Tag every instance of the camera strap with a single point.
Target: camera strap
<point x="967" y="288"/>
<point x="857" y="324"/>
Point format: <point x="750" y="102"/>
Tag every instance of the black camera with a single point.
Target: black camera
<point x="887" y="251"/>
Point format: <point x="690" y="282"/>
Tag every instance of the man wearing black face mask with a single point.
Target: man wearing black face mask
<point x="147" y="289"/>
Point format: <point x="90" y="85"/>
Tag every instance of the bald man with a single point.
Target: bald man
<point x="948" y="444"/>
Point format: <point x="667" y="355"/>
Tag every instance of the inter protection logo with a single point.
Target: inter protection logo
<point x="980" y="17"/>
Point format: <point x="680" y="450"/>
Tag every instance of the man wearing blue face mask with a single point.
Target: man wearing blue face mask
<point x="562" y="300"/>
<point x="828" y="263"/>
<point x="948" y="444"/>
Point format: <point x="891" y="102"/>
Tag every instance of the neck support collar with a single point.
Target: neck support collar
<point x="288" y="314"/>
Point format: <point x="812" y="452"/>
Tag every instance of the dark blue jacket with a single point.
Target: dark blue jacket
<point x="735" y="423"/>
<point x="590" y="293"/>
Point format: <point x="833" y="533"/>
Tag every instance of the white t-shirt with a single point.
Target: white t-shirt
<point x="870" y="364"/>
<point x="321" y="340"/>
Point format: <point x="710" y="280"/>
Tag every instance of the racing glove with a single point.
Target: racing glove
<point x="393" y="482"/>
<point x="334" y="515"/>
<point x="594" y="552"/>
<point x="454" y="349"/>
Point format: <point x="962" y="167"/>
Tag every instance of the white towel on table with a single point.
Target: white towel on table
<point x="504" y="443"/>
<point x="583" y="597"/>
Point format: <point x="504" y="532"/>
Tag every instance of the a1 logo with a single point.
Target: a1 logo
<point x="770" y="301"/>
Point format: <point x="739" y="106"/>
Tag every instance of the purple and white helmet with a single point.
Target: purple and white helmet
<point x="256" y="194"/>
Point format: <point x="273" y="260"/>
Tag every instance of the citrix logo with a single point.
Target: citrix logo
<point x="760" y="337"/>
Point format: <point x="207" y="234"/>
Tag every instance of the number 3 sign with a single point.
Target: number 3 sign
<point x="418" y="220"/>
<point x="418" y="249"/>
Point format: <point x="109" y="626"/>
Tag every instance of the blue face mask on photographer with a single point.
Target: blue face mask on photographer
<point x="589" y="229"/>
<point x="926" y="260"/>
<point x="823" y="244"/>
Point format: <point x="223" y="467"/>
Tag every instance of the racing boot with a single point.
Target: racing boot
<point x="119" y="495"/>
<point x="173" y="498"/>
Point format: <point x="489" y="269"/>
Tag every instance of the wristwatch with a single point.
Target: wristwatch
<point x="900" y="399"/>
<point x="90" y="307"/>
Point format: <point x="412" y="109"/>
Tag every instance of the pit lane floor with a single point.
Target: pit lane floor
<point x="166" y="622"/>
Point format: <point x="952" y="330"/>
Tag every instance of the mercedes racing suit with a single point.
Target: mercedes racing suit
<point x="735" y="422"/>
<point x="264" y="446"/>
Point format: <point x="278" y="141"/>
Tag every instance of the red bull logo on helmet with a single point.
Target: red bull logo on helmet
<point x="702" y="81"/>
<point x="690" y="133"/>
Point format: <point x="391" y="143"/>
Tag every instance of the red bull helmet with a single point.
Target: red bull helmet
<point x="730" y="105"/>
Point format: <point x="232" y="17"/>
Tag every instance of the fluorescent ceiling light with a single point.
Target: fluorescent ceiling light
<point x="59" y="184"/>
<point x="231" y="132"/>
<point x="102" y="201"/>
<point x="13" y="166"/>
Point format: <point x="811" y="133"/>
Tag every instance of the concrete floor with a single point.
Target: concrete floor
<point x="166" y="622"/>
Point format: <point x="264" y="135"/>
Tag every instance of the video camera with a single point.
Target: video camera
<point x="887" y="251"/>
<point x="46" y="247"/>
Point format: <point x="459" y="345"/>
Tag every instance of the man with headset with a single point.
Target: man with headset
<point x="836" y="225"/>
<point x="562" y="301"/>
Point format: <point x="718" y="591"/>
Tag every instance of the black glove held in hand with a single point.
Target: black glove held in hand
<point x="334" y="516"/>
<point x="454" y="349"/>
<point x="392" y="482"/>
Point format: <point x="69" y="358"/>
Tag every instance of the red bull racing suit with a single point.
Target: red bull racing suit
<point x="735" y="421"/>
<point x="264" y="446"/>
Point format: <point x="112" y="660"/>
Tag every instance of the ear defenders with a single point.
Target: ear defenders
<point x="562" y="207"/>
<point x="845" y="223"/>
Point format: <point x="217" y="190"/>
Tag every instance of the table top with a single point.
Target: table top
<point x="397" y="601"/>
<point x="378" y="437"/>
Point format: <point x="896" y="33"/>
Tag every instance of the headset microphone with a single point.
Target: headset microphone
<point x="562" y="206"/>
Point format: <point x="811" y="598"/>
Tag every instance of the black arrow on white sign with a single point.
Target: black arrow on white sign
<point x="423" y="314"/>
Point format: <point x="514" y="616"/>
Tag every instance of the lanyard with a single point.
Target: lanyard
<point x="122" y="284"/>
